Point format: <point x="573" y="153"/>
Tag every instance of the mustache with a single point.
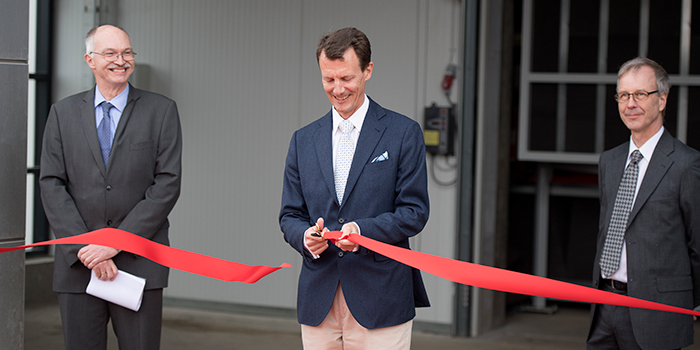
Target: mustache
<point x="125" y="65"/>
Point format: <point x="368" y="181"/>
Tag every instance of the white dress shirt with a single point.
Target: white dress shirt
<point x="357" y="119"/>
<point x="647" y="150"/>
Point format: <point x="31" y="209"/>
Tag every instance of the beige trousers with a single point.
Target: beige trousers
<point x="340" y="331"/>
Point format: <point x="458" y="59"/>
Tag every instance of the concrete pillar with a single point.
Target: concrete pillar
<point x="14" y="43"/>
<point x="488" y="307"/>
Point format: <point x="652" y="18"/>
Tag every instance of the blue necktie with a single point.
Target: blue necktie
<point x="104" y="132"/>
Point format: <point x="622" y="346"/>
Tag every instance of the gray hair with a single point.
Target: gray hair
<point x="663" y="84"/>
<point x="90" y="38"/>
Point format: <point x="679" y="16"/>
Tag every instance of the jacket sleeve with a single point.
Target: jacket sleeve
<point x="294" y="216"/>
<point x="690" y="206"/>
<point x="59" y="205"/>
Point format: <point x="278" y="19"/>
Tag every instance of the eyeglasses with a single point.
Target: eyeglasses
<point x="639" y="95"/>
<point x="111" y="56"/>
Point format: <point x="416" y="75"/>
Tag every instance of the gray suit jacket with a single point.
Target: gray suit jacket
<point x="135" y="193"/>
<point x="662" y="239"/>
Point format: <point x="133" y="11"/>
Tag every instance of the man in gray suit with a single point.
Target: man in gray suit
<point x="648" y="243"/>
<point x="111" y="157"/>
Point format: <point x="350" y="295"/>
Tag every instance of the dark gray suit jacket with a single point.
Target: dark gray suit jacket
<point x="662" y="238"/>
<point x="135" y="193"/>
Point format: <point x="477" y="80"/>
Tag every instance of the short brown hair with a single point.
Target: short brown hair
<point x="336" y="43"/>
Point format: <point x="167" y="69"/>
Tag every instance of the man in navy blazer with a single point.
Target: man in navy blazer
<point x="134" y="189"/>
<point x="660" y="253"/>
<point x="350" y="297"/>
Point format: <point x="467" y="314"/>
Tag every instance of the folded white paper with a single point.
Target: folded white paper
<point x="126" y="290"/>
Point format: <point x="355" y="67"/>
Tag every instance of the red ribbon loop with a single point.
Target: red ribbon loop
<point x="502" y="280"/>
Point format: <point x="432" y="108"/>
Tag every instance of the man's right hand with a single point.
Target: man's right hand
<point x="314" y="243"/>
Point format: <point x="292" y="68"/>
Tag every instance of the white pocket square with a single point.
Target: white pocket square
<point x="380" y="158"/>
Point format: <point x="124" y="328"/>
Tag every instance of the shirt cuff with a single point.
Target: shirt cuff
<point x="315" y="256"/>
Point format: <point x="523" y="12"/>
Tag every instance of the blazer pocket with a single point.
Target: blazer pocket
<point x="665" y="197"/>
<point x="379" y="165"/>
<point x="379" y="257"/>
<point x="141" y="145"/>
<point x="674" y="283"/>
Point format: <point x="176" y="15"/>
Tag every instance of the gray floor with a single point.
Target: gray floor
<point x="186" y="328"/>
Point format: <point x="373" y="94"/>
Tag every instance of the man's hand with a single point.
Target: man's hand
<point x="91" y="255"/>
<point x="313" y="237"/>
<point x="345" y="244"/>
<point x="106" y="270"/>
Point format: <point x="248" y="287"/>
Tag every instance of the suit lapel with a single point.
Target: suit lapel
<point x="615" y="168"/>
<point x="323" y="137"/>
<point x="371" y="133"/>
<point x="134" y="95"/>
<point x="87" y="118"/>
<point x="658" y="166"/>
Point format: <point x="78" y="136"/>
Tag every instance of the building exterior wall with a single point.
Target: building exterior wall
<point x="14" y="24"/>
<point x="245" y="77"/>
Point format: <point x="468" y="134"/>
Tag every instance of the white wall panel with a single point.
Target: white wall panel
<point x="245" y="77"/>
<point x="71" y="74"/>
<point x="440" y="27"/>
<point x="233" y="68"/>
<point x="150" y="27"/>
<point x="392" y="29"/>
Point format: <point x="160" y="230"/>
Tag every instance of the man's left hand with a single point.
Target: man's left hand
<point x="345" y="244"/>
<point x="91" y="255"/>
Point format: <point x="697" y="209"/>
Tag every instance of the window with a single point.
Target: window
<point x="39" y="99"/>
<point x="571" y="51"/>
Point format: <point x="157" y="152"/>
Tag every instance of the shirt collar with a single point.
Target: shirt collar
<point x="647" y="149"/>
<point x="119" y="101"/>
<point x="357" y="118"/>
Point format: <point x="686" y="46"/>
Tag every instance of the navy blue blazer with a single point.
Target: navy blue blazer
<point x="662" y="239"/>
<point x="387" y="199"/>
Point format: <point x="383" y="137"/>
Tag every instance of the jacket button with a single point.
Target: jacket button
<point x="109" y="222"/>
<point x="340" y="254"/>
<point x="341" y="220"/>
<point x="109" y="188"/>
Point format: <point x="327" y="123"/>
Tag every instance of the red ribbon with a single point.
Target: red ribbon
<point x="175" y="258"/>
<point x="453" y="270"/>
<point x="502" y="280"/>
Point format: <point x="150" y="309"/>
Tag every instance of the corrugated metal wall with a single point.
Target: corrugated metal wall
<point x="245" y="77"/>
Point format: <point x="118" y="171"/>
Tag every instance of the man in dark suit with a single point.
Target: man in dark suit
<point x="115" y="165"/>
<point x="648" y="244"/>
<point x="370" y="179"/>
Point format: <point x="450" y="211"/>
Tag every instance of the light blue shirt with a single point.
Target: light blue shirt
<point x="119" y="103"/>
